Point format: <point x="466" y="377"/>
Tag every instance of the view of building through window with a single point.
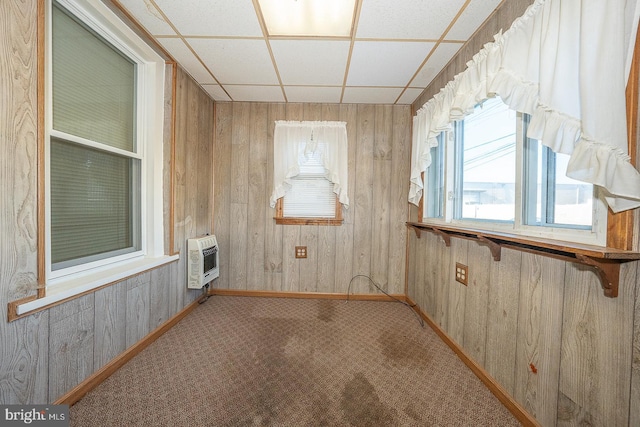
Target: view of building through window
<point x="486" y="173"/>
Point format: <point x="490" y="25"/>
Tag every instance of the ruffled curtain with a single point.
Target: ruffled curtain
<point x="564" y="62"/>
<point x="286" y="150"/>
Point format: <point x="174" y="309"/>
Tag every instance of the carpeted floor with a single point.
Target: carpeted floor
<point x="242" y="361"/>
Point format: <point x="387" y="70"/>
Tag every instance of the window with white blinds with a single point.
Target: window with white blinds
<point x="103" y="149"/>
<point x="94" y="165"/>
<point x="310" y="172"/>
<point x="311" y="194"/>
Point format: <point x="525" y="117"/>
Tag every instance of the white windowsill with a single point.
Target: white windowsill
<point x="63" y="288"/>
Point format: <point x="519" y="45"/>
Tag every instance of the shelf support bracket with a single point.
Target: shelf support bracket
<point x="608" y="271"/>
<point x="495" y="248"/>
<point x="443" y="234"/>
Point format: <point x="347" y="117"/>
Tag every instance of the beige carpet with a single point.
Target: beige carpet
<point x="240" y="361"/>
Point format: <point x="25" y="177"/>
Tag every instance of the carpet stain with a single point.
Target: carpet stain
<point x="326" y="310"/>
<point x="361" y="405"/>
<point x="400" y="349"/>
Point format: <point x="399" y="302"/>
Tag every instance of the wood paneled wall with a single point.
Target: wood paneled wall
<point x="44" y="355"/>
<point x="541" y="327"/>
<point x="257" y="254"/>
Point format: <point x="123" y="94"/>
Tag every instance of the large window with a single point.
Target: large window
<point x="103" y="142"/>
<point x="94" y="155"/>
<point x="486" y="173"/>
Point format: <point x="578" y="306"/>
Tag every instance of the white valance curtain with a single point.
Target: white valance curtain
<point x="287" y="139"/>
<point x="564" y="62"/>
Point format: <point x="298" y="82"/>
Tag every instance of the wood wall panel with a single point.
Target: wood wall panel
<point x="138" y="307"/>
<point x="441" y="254"/>
<point x="167" y="153"/>
<point x="334" y="253"/>
<point x="24" y="353"/>
<point x="457" y="291"/>
<point x="502" y="318"/>
<point x="429" y="280"/>
<point x="475" y="326"/>
<point x="222" y="189"/>
<point x="596" y="348"/>
<point x="110" y="320"/>
<point x="71" y="344"/>
<point x="159" y="296"/>
<point x="204" y="163"/>
<point x="399" y="190"/>
<point x="381" y="202"/>
<point x="257" y="195"/>
<point x="539" y="337"/>
<point x="634" y="415"/>
<point x="180" y="161"/>
<point x="363" y="200"/>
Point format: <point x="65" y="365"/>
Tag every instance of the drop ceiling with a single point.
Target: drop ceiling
<point x="394" y="50"/>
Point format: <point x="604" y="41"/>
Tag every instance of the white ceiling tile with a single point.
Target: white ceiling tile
<point x="329" y="95"/>
<point x="212" y="17"/>
<point x="386" y="63"/>
<point x="237" y="61"/>
<point x="409" y="96"/>
<point x="472" y="17"/>
<point x="186" y="59"/>
<point x="216" y="92"/>
<point x="311" y="62"/>
<point x="370" y="95"/>
<point x="149" y="16"/>
<point x="406" y="19"/>
<point x="393" y="38"/>
<point x="255" y="93"/>
<point x="442" y="55"/>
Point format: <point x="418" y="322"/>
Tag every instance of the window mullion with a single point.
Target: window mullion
<point x="458" y="159"/>
<point x="521" y="198"/>
<point x="549" y="194"/>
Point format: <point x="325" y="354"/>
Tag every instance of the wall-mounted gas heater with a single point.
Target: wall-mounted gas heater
<point x="202" y="264"/>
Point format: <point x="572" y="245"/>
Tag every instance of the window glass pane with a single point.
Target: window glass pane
<point x="573" y="199"/>
<point x="94" y="204"/>
<point x="434" y="181"/>
<point x="488" y="162"/>
<point x="552" y="197"/>
<point x="93" y="85"/>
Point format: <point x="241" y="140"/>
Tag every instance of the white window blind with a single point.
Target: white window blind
<point x="93" y="85"/>
<point x="311" y="194"/>
<point x="93" y="203"/>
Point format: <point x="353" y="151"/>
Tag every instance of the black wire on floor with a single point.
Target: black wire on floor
<point x="411" y="306"/>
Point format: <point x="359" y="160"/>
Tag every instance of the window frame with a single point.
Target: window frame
<point x="596" y="235"/>
<point x="283" y="220"/>
<point x="148" y="131"/>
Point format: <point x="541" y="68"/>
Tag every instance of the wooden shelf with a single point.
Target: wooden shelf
<point x="605" y="261"/>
